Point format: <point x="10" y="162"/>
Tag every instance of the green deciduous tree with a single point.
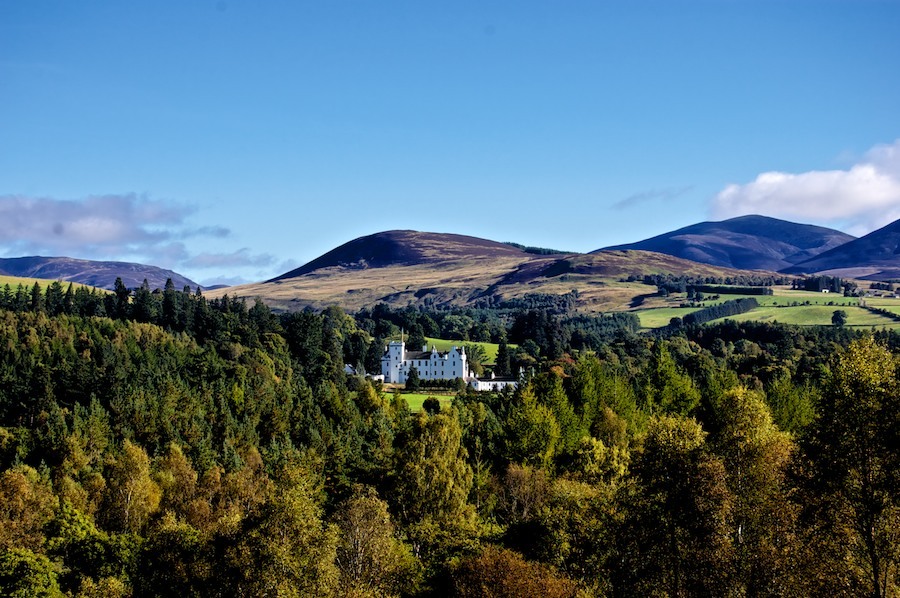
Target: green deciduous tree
<point x="432" y="485"/>
<point x="532" y="432"/>
<point x="24" y="574"/>
<point x="676" y="538"/>
<point x="173" y="561"/>
<point x="666" y="388"/>
<point x="855" y="452"/>
<point x="839" y="317"/>
<point x="762" y="520"/>
<point x="285" y="549"/>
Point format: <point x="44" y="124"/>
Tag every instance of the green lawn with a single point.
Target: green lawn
<point x="660" y="316"/>
<point x="415" y="400"/>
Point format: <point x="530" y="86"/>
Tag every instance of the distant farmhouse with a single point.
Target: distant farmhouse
<point x="434" y="365"/>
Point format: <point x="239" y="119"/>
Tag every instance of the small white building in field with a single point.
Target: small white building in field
<point x="431" y="365"/>
<point x="493" y="384"/>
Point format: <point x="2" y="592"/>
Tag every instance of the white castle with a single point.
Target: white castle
<point x="431" y="365"/>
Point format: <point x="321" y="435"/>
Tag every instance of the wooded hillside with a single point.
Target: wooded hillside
<point x="160" y="444"/>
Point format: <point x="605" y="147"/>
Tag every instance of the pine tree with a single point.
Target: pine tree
<point x="501" y="366"/>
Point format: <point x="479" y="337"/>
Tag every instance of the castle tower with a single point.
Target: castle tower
<point x="392" y="362"/>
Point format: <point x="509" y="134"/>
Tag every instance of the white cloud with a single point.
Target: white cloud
<point x="862" y="198"/>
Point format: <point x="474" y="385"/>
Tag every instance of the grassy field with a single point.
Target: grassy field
<point x="415" y="400"/>
<point x="15" y="281"/>
<point x="895" y="308"/>
<point x="660" y="316"/>
<point x="783" y="296"/>
<point x="785" y="306"/>
<point x="814" y="315"/>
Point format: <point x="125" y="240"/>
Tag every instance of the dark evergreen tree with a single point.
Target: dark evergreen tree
<point x="501" y="367"/>
<point x="412" y="379"/>
<point x="120" y="307"/>
<point x="37" y="298"/>
<point x="143" y="308"/>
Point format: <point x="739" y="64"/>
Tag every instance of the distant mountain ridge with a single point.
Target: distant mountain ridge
<point x="101" y="274"/>
<point x="745" y="243"/>
<point x="412" y="268"/>
<point x="409" y="268"/>
<point x="875" y="256"/>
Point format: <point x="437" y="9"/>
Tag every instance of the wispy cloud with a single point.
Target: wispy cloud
<point x="666" y="194"/>
<point x="128" y="227"/>
<point x="861" y="198"/>
<point x="228" y="281"/>
<point x="99" y="225"/>
<point x="236" y="259"/>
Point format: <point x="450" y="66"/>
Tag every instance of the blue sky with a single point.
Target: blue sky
<point x="233" y="140"/>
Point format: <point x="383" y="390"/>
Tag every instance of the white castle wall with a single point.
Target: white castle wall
<point x="396" y="362"/>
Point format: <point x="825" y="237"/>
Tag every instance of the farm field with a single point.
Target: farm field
<point x="784" y="296"/>
<point x="661" y="316"/>
<point x="785" y="306"/>
<point x="415" y="400"/>
<point x="814" y="315"/>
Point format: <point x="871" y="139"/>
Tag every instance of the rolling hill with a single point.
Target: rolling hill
<point x="414" y="268"/>
<point x="746" y="243"/>
<point x="93" y="273"/>
<point x="875" y="256"/>
<point x="406" y="248"/>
